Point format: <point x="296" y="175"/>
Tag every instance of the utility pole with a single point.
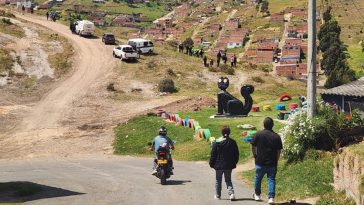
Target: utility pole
<point x="311" y="60"/>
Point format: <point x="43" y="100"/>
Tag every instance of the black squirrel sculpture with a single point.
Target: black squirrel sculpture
<point x="229" y="105"/>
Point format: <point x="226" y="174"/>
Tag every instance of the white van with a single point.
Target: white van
<point x="85" y="28"/>
<point x="142" y="45"/>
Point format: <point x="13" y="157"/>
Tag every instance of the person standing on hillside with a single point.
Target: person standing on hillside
<point x="205" y="61"/>
<point x="266" y="149"/>
<point x="224" y="157"/>
<point x="218" y="58"/>
<point x="235" y="60"/>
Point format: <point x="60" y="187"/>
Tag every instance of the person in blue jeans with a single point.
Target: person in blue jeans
<point x="224" y="157"/>
<point x="266" y="149"/>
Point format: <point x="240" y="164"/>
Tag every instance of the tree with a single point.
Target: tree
<point x="334" y="59"/>
<point x="188" y="42"/>
<point x="264" y="6"/>
<point x="327" y="14"/>
<point x="330" y="26"/>
<point x="328" y="40"/>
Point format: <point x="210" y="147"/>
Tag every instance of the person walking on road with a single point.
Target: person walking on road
<point x="266" y="149"/>
<point x="47" y="14"/>
<point x="224" y="157"/>
<point x="235" y="60"/>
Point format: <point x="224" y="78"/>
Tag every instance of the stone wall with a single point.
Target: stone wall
<point x="349" y="175"/>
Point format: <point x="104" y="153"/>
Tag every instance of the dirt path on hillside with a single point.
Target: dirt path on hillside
<point x="55" y="125"/>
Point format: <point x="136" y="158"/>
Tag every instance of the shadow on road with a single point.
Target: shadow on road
<point x="18" y="192"/>
<point x="287" y="203"/>
<point x="243" y="199"/>
<point x="178" y="182"/>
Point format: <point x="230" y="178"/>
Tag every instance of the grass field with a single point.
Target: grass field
<point x="112" y="8"/>
<point x="132" y="138"/>
<point x="60" y="62"/>
<point x="11" y="29"/>
<point x="311" y="177"/>
<point x="356" y="60"/>
<point x="6" y="60"/>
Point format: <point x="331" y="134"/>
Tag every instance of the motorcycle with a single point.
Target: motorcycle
<point x="163" y="168"/>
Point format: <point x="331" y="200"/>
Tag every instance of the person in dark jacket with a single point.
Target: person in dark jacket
<point x="266" y="149"/>
<point x="224" y="157"/>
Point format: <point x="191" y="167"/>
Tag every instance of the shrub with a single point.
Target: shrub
<point x="6" y="21"/>
<point x="226" y="69"/>
<point x="229" y="71"/>
<point x="213" y="69"/>
<point x="258" y="79"/>
<point x="322" y="132"/>
<point x="170" y="72"/>
<point x="297" y="136"/>
<point x="151" y="64"/>
<point x="167" y="85"/>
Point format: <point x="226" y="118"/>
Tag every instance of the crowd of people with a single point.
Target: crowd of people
<point x="52" y="16"/>
<point x="208" y="62"/>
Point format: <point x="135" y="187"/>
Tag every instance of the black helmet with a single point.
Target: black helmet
<point x="162" y="131"/>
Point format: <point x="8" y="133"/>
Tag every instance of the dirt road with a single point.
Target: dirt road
<point x="116" y="180"/>
<point x="50" y="126"/>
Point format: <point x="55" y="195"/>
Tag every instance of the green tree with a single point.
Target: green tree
<point x="188" y="42"/>
<point x="330" y="26"/>
<point x="334" y="59"/>
<point x="328" y="40"/>
<point x="264" y="6"/>
<point x="327" y="14"/>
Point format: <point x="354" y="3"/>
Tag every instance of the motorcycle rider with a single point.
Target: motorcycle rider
<point x="162" y="140"/>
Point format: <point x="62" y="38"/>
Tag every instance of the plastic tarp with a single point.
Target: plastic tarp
<point x="246" y="127"/>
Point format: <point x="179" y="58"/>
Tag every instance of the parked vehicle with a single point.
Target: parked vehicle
<point x="141" y="45"/>
<point x="125" y="52"/>
<point x="108" y="38"/>
<point x="85" y="28"/>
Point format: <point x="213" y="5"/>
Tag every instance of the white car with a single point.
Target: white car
<point x="125" y="52"/>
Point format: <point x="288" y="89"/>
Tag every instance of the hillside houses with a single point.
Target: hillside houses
<point x="163" y="23"/>
<point x="123" y="20"/>
<point x="277" y="17"/>
<point x="295" y="70"/>
<point x="291" y="53"/>
<point x="232" y="24"/>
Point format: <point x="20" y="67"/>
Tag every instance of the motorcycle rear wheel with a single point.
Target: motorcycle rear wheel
<point x="163" y="177"/>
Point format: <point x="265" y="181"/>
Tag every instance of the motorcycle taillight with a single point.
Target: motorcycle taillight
<point x="162" y="154"/>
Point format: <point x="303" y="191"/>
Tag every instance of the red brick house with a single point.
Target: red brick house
<point x="291" y="53"/>
<point x="278" y="17"/>
<point x="123" y="20"/>
<point x="232" y="24"/>
<point x="267" y="46"/>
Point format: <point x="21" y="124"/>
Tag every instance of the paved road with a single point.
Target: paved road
<point x="116" y="180"/>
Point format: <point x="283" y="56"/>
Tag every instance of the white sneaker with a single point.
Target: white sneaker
<point x="232" y="197"/>
<point x="257" y="197"/>
<point x="271" y="201"/>
<point x="154" y="172"/>
<point x="217" y="197"/>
